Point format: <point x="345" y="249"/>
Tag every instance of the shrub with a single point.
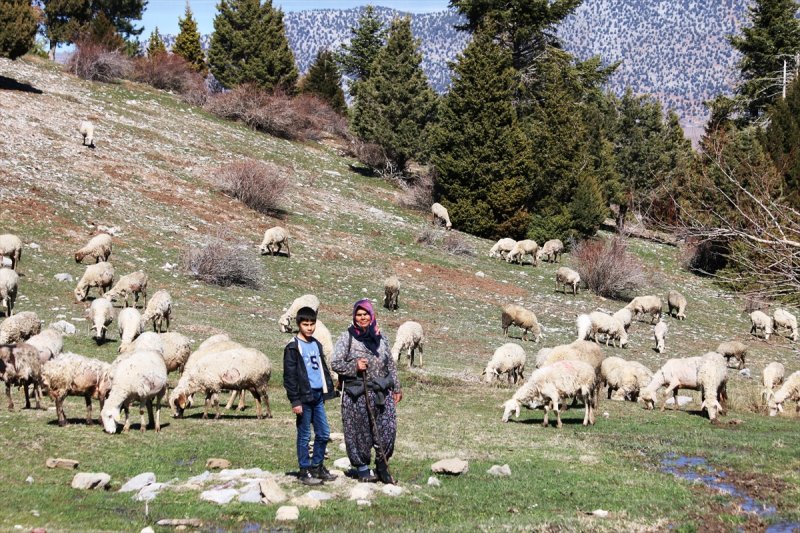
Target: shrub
<point x="452" y="243"/>
<point x="418" y="191"/>
<point x="371" y="154"/>
<point x="704" y="256"/>
<point x="224" y="265"/>
<point x="96" y="62"/>
<point x="607" y="268"/>
<point x="164" y="71"/>
<point x="257" y="185"/>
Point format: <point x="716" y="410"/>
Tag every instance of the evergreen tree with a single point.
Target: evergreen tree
<point x="357" y="58"/>
<point x="66" y="20"/>
<point x="249" y="45"/>
<point x="395" y="104"/>
<point x="323" y="80"/>
<point x="155" y="46"/>
<point x="187" y="43"/>
<point x="17" y="28"/>
<point x="782" y="141"/>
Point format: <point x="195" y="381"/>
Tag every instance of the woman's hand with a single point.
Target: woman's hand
<point x="297" y="409"/>
<point x="397" y="396"/>
<point x="361" y="364"/>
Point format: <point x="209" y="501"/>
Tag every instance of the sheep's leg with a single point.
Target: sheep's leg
<point x="288" y="253"/>
<point x="215" y="401"/>
<point x="420" y="355"/>
<point x="558" y="416"/>
<point x="410" y="357"/>
<point x="587" y="406"/>
<point x="62" y="417"/>
<point x="166" y="317"/>
<point x="525" y="335"/>
<point x="27" y="397"/>
<point x="265" y="396"/>
<point x="158" y="410"/>
<point x="205" y="409"/>
<point x="127" y="426"/>
<point x="241" y="400"/>
<point x="87" y="398"/>
<point x="37" y="394"/>
<point x="257" y="398"/>
<point x="545" y="423"/>
<point x="234" y="395"/>
<point x="142" y="424"/>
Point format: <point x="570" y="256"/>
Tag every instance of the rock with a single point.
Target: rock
<point x="149" y="492"/>
<point x="305" y="501"/>
<point x="63" y="276"/>
<point x="69" y="464"/>
<point x="217" y="464"/>
<point x="499" y="471"/>
<point x="745" y="373"/>
<point x="174" y="522"/>
<point x="148" y="529"/>
<point x="605" y="414"/>
<point x="433" y="481"/>
<point x="38" y="530"/>
<point x="336" y="436"/>
<point x="342" y="447"/>
<point x="90" y="480"/>
<point x="450" y="466"/>
<point x="271" y="491"/>
<point x="392" y="490"/>
<point x="362" y="491"/>
<point x="342" y="464"/>
<point x="200" y="478"/>
<point x="64" y="327"/>
<point x="600" y="513"/>
<point x="34" y="246"/>
<point x="287" y="512"/>
<point x="220" y="496"/>
<point x="682" y="400"/>
<point x="319" y="495"/>
<point x="137" y="483"/>
<point x="363" y="503"/>
<point x="250" y="496"/>
<point x="480" y="274"/>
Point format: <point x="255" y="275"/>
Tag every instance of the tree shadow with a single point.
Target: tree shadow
<point x="363" y="170"/>
<point x="9" y="84"/>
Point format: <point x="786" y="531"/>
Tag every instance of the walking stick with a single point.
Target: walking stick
<point x="374" y="428"/>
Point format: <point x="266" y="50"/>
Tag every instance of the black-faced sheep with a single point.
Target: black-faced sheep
<point x="100" y="275"/>
<point x="98" y="248"/>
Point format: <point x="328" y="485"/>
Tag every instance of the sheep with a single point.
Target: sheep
<point x="645" y="305"/>
<point x="277" y="237"/>
<point x="391" y="293"/>
<point x="612" y="328"/>
<point x="521" y="249"/>
<point x="19" y="327"/>
<point x="100" y="314"/>
<point x="712" y="377"/>
<point x="784" y="319"/>
<point x="519" y="316"/>
<point x="49" y="343"/>
<point x="142" y="376"/>
<point x="11" y="247"/>
<point x="174" y="347"/>
<point x="735" y="350"/>
<point x="98" y="248"/>
<point x="760" y="321"/>
<point x="222" y="342"/>
<point x="566" y="276"/>
<point x="549" y="385"/>
<point x="286" y="321"/>
<point x="323" y="335"/>
<point x="771" y="377"/>
<point x="130" y="325"/>
<point x="502" y="247"/>
<point x="790" y="390"/>
<point x="22" y="368"/>
<point x="625" y="316"/>
<point x="410" y="338"/>
<point x="158" y="310"/>
<point x="508" y="359"/>
<point x="583" y="323"/>
<point x="134" y="284"/>
<point x="551" y="251"/>
<point x="9" y="281"/>
<point x="439" y="214"/>
<point x="675" y="374"/>
<point x="628" y="377"/>
<point x="100" y="275"/>
<point x="237" y="368"/>
<point x="660" y="334"/>
<point x="86" y="129"/>
<point x="676" y="302"/>
<point x="71" y="374"/>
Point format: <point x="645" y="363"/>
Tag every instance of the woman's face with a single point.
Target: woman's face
<point x="362" y="318"/>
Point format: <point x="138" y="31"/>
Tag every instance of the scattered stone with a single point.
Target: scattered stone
<point x="450" y="466"/>
<point x="600" y="513"/>
<point x="250" y="496"/>
<point x="137" y="483"/>
<point x="89" y="480"/>
<point x="745" y="373"/>
<point x="148" y="529"/>
<point x="287" y="512"/>
<point x="605" y="414"/>
<point x="392" y="490"/>
<point x="38" y="530"/>
<point x="499" y="471"/>
<point x="433" y="481"/>
<point x="342" y="447"/>
<point x="342" y="464"/>
<point x="64" y="327"/>
<point x="480" y="274"/>
<point x="217" y="464"/>
<point x="220" y="496"/>
<point x="63" y="276"/>
<point x="174" y="522"/>
<point x="271" y="491"/>
<point x="34" y="246"/>
<point x="336" y="436"/>
<point x="200" y="478"/>
<point x="305" y="501"/>
<point x="682" y="400"/>
<point x="149" y="492"/>
<point x="362" y="491"/>
<point x="363" y="503"/>
<point x="29" y="480"/>
<point x="319" y="495"/>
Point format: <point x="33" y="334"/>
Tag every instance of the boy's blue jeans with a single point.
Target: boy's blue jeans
<point x="313" y="415"/>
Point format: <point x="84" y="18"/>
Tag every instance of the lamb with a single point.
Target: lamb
<point x="9" y="281"/>
<point x="130" y="325"/>
<point x="142" y="376"/>
<point x="158" y="310"/>
<point x="391" y="292"/>
<point x="521" y="249"/>
<point x="275" y="237"/>
<point x="675" y="374"/>
<point x="100" y="315"/>
<point x="712" y="377"/>
<point x="643" y="305"/>
<point x="771" y="377"/>
<point x="100" y="275"/>
<point x="660" y="334"/>
<point x="19" y="327"/>
<point x="518" y="316"/>
<point x="760" y="321"/>
<point x="550" y="385"/>
<point x="71" y="374"/>
<point x="566" y="276"/>
<point x="98" y="248"/>
<point x="784" y="319"/>
<point x="508" y="359"/>
<point x="286" y="321"/>
<point x="628" y="377"/>
<point x="625" y="316"/>
<point x="86" y="129"/>
<point x="789" y="391"/>
<point x="676" y="302"/>
<point x="735" y="350"/>
<point x="409" y="338"/>
<point x="11" y="247"/>
<point x="439" y="214"/>
<point x="551" y="251"/>
<point x="134" y="284"/>
<point x="22" y="368"/>
<point x="502" y="247"/>
<point x="49" y="343"/>
<point x="173" y="347"/>
<point x="612" y="328"/>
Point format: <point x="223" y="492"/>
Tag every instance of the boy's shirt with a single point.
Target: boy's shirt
<point x="311" y="357"/>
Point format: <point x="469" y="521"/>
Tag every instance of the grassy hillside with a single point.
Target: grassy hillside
<point x="149" y="178"/>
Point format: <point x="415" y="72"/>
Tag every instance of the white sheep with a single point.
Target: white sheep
<point x="781" y="318"/>
<point x="627" y="377"/>
<point x="410" y="338"/>
<point x="71" y="374"/>
<point x="508" y="359"/>
<point x="566" y="276"/>
<point x="323" y="335"/>
<point x="275" y="237"/>
<point x="19" y="327"/>
<point x="11" y="247"/>
<point x="771" y="377"/>
<point x="286" y="321"/>
<point x="712" y="376"/>
<point x="625" y="316"/>
<point x="549" y="385"/>
<point x="134" y="284"/>
<point x="660" y="334"/>
<point x="790" y="390"/>
<point x="521" y="249"/>
<point x="100" y="275"/>
<point x="439" y="214"/>
<point x="612" y="328"/>
<point x="675" y="374"/>
<point x="49" y="342"/>
<point x="646" y="305"/>
<point x="86" y="129"/>
<point x="98" y="248"/>
<point x="760" y="321"/>
<point x="9" y="281"/>
<point x="159" y="310"/>
<point x="100" y="314"/>
<point x="551" y="251"/>
<point x="142" y="377"/>
<point x="515" y="315"/>
<point x="502" y="247"/>
<point x="22" y="367"/>
<point x="583" y="323"/>
<point x="733" y="350"/>
<point x="676" y="302"/>
<point x="174" y="347"/>
<point x="391" y="293"/>
<point x="130" y="326"/>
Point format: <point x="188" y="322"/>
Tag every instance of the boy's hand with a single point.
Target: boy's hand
<point x="361" y="364"/>
<point x="298" y="409"/>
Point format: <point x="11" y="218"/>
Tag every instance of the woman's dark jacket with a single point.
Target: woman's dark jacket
<point x="295" y="376"/>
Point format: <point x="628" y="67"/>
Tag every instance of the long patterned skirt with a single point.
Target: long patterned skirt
<point x="358" y="431"/>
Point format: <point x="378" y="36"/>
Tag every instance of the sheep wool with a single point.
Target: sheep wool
<point x="515" y="315"/>
<point x="133" y="284"/>
<point x="646" y="305"/>
<point x="100" y="315"/>
<point x="502" y="247"/>
<point x="771" y="377"/>
<point x="9" y="281"/>
<point x="410" y="339"/>
<point x="98" y="248"/>
<point x="391" y="293"/>
<point x="508" y="359"/>
<point x="159" y="310"/>
<point x="781" y="318"/>
<point x="22" y="368"/>
<point x="286" y="321"/>
<point x="274" y="240"/>
<point x="625" y="316"/>
<point x="71" y="374"/>
<point x="49" y="342"/>
<point x="522" y="249"/>
<point x="19" y="327"/>
<point x="140" y="377"/>
<point x="760" y="321"/>
<point x="439" y="214"/>
<point x="566" y="276"/>
<point x="660" y="334"/>
<point x="11" y="247"/>
<point x="551" y="251"/>
<point x="100" y="275"/>
<point x="583" y="323"/>
<point x="675" y="374"/>
<point x="733" y="350"/>
<point x="86" y="129"/>
<point x="712" y="377"/>
<point x="790" y="390"/>
<point x="676" y="302"/>
<point x="609" y="326"/>
<point x="130" y="325"/>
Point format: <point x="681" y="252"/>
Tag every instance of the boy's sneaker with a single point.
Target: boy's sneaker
<point x="320" y="472"/>
<point x="307" y="478"/>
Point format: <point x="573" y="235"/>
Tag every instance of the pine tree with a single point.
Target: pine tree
<point x="155" y="46"/>
<point x="395" y="104"/>
<point x="323" y="80"/>
<point x="17" y="28"/>
<point x="357" y="58"/>
<point x="66" y="20"/>
<point x="187" y="43"/>
<point x="782" y="141"/>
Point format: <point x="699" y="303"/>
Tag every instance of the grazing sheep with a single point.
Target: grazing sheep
<point x="712" y="377"/>
<point x="676" y="302"/>
<point x="566" y="276"/>
<point x="100" y="275"/>
<point x="286" y="321"/>
<point x="675" y="374"/>
<point x="391" y="292"/>
<point x="549" y="385"/>
<point x="760" y="322"/>
<point x="551" y="251"/>
<point x="9" y="281"/>
<point x="134" y="284"/>
<point x="644" y="305"/>
<point x="275" y="237"/>
<point x="98" y="248"/>
<point x="521" y="249"/>
<point x="508" y="359"/>
<point x="612" y="328"/>
<point x="49" y="342"/>
<point x="439" y="214"/>
<point x="771" y="377"/>
<point x="660" y="334"/>
<point x="130" y="325"/>
<point x="71" y="374"/>
<point x="142" y="376"/>
<point x="409" y="338"/>
<point x="733" y="349"/>
<point x="789" y="391"/>
<point x="782" y="318"/>
<point x="515" y="315"/>
<point x="583" y="323"/>
<point x="11" y="247"/>
<point x="158" y="310"/>
<point x="625" y="316"/>
<point x="584" y="351"/>
<point x="100" y="314"/>
<point x="627" y="377"/>
<point x="19" y="327"/>
<point x="173" y="347"/>
<point x="86" y="129"/>
<point x="22" y="368"/>
<point x="502" y="247"/>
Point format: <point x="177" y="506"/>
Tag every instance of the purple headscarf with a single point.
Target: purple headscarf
<point x="371" y="335"/>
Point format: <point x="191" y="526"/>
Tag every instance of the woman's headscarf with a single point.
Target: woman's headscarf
<point x="371" y="335"/>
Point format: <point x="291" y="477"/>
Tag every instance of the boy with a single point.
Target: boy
<point x="308" y="384"/>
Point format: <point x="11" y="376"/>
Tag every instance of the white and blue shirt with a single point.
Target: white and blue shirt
<point x="311" y="357"/>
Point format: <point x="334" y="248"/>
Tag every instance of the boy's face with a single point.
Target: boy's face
<point x="307" y="328"/>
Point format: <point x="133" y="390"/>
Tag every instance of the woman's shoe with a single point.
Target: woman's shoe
<point x="366" y="476"/>
<point x="382" y="470"/>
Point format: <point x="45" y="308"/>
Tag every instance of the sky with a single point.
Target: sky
<point x="165" y="13"/>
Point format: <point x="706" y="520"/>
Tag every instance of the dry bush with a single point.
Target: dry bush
<point x="429" y="237"/>
<point x="418" y="192"/>
<point x="96" y="62"/>
<point x="456" y="244"/>
<point x="169" y="72"/>
<point x="372" y="155"/>
<point x="753" y="302"/>
<point x="195" y="91"/>
<point x="703" y="256"/>
<point x="235" y="104"/>
<point x="224" y="265"/>
<point x="607" y="268"/>
<point x="257" y="185"/>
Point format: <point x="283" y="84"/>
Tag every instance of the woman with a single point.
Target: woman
<point x="363" y="349"/>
